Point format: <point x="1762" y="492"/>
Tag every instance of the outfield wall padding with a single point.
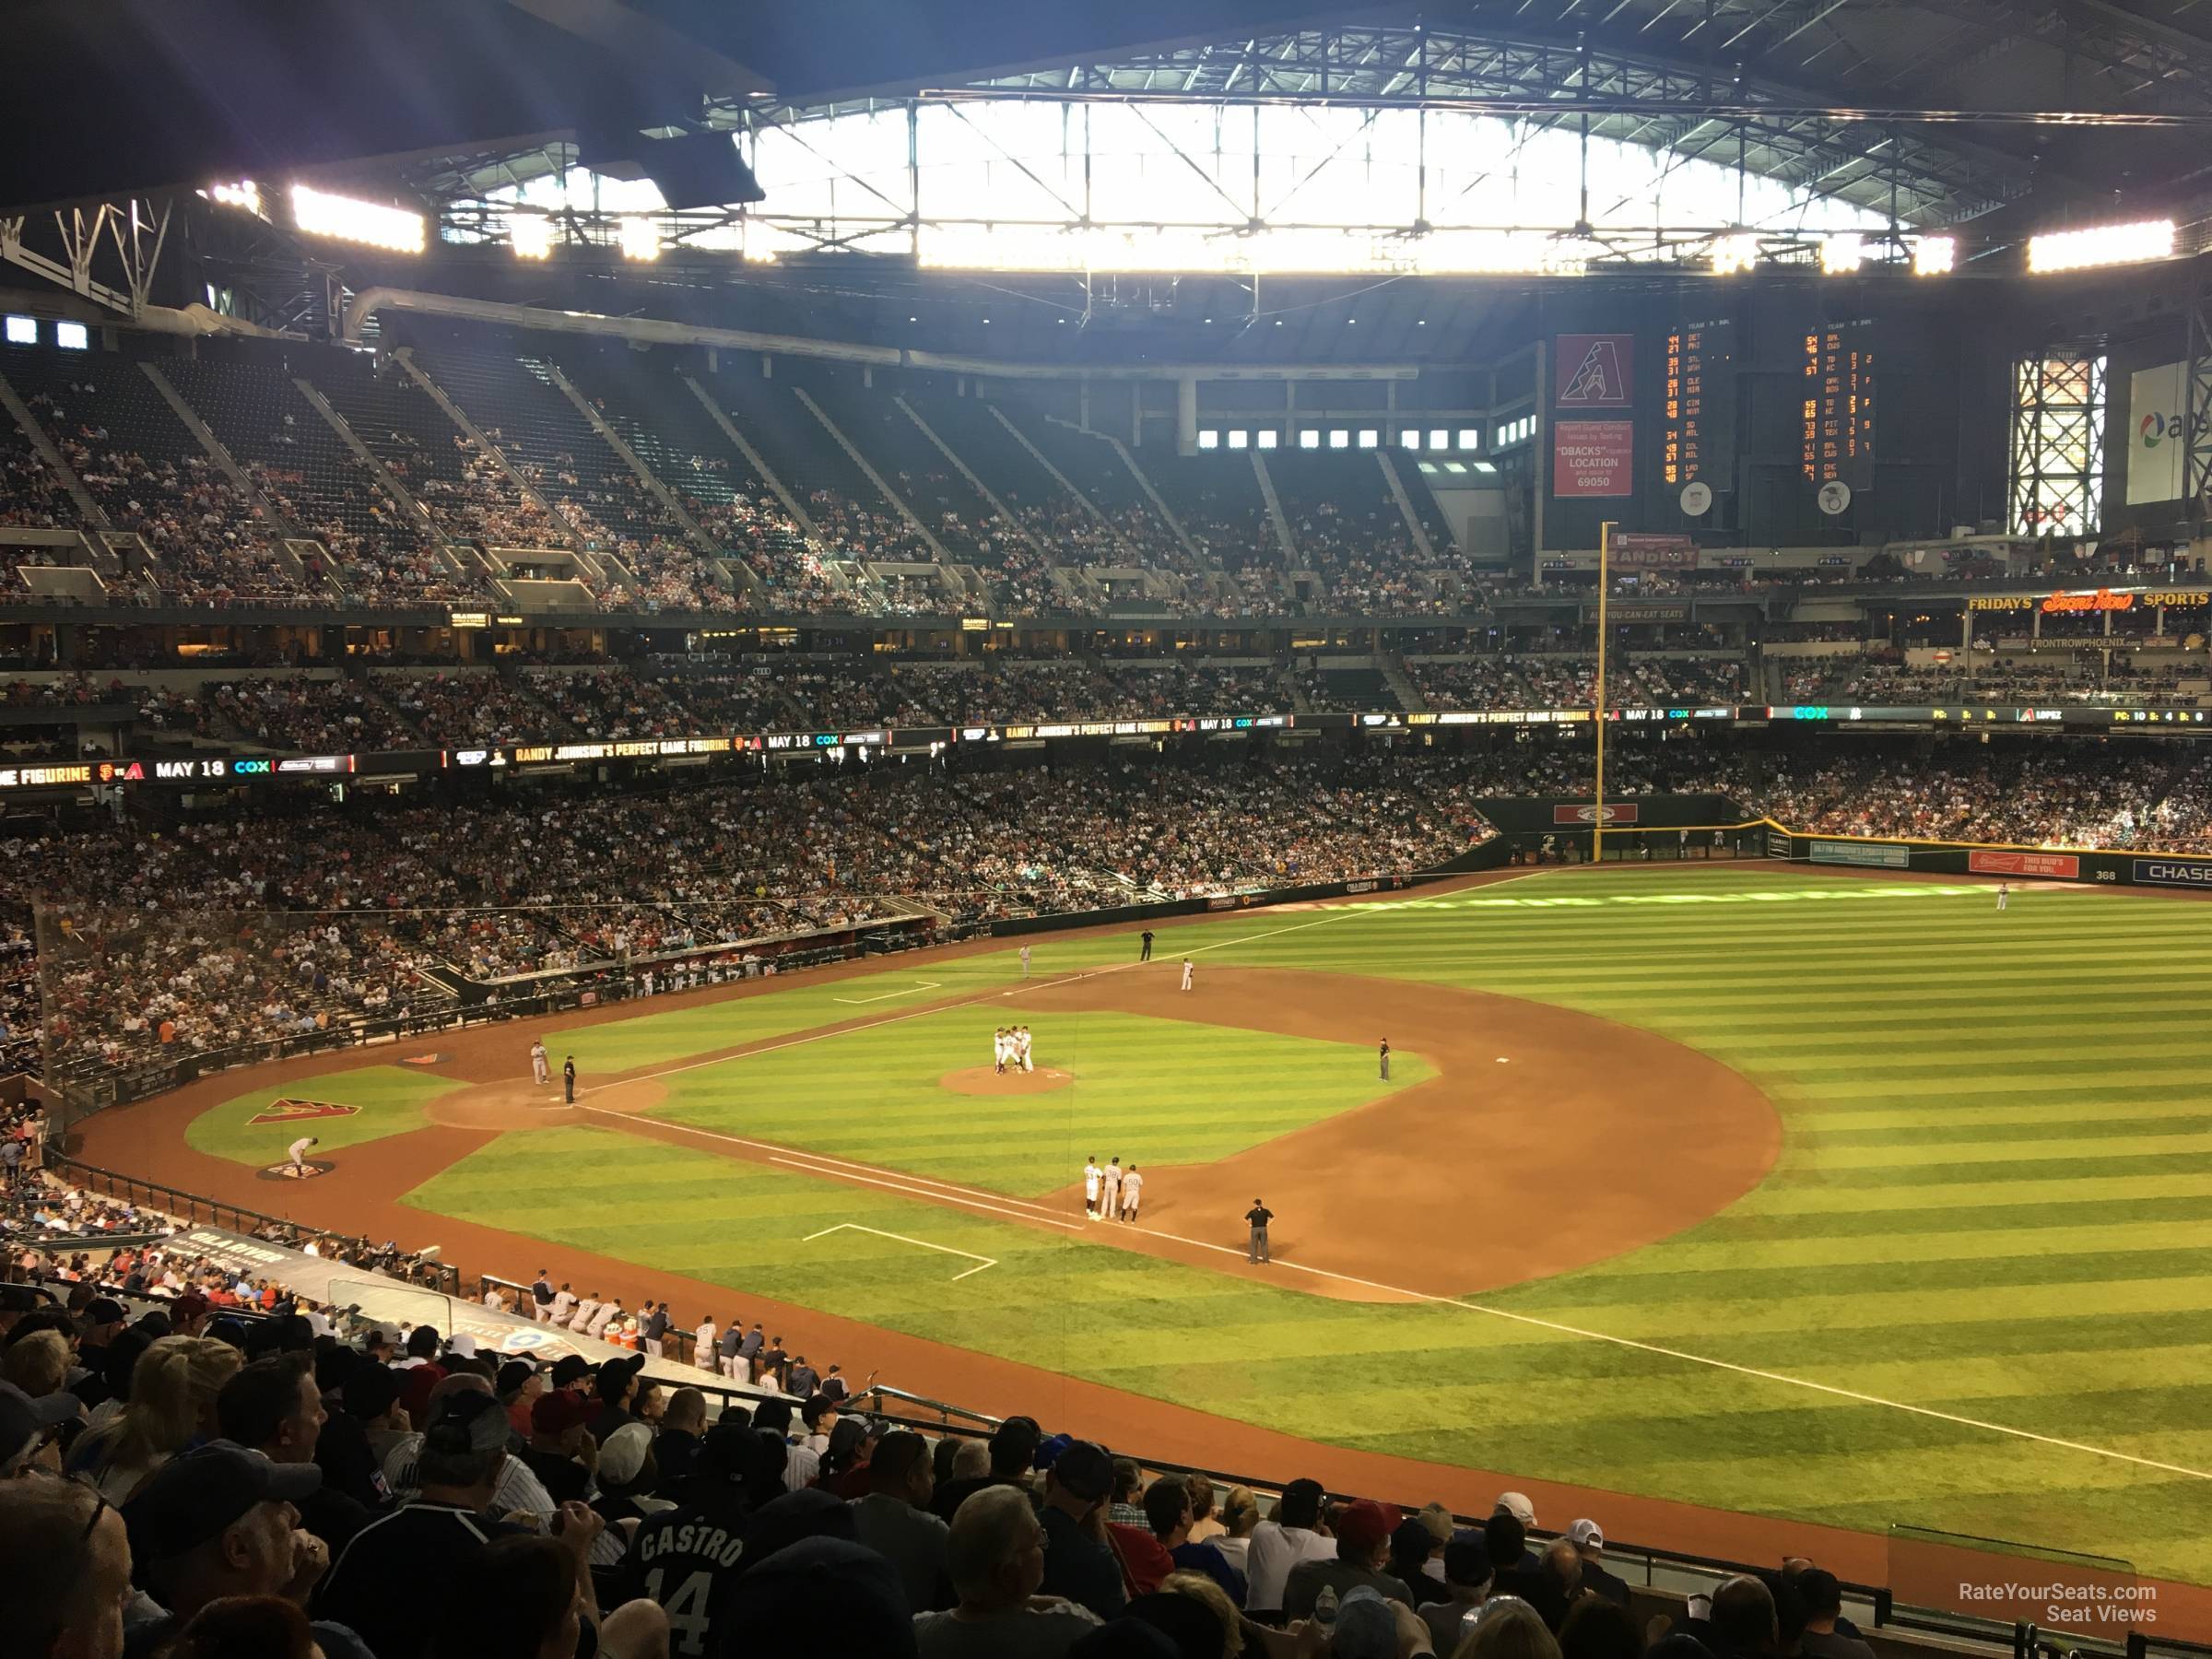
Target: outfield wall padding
<point x="2121" y="868"/>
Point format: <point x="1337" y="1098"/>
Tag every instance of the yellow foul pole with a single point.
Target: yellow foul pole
<point x="1597" y="694"/>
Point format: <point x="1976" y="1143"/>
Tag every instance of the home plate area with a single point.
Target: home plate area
<point x="985" y="1080"/>
<point x="286" y="1172"/>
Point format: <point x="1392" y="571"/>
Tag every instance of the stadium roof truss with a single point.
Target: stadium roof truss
<point x="1523" y="146"/>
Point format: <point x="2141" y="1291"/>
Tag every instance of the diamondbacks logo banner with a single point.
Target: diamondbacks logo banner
<point x="299" y="1112"/>
<point x="1592" y="371"/>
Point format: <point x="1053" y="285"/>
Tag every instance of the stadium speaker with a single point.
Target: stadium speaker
<point x="693" y="170"/>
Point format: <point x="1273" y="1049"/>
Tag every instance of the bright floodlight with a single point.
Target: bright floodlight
<point x="640" y="239"/>
<point x="1735" y="253"/>
<point x="531" y="235"/>
<point x="320" y="214"/>
<point x="1841" y="255"/>
<point x="245" y="194"/>
<point x="2103" y="245"/>
<point x="1934" y="255"/>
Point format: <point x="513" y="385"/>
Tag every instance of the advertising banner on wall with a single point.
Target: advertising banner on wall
<point x="1592" y="372"/>
<point x="2062" y="867"/>
<point x="1860" y="853"/>
<point x="1593" y="457"/>
<point x="2156" y="452"/>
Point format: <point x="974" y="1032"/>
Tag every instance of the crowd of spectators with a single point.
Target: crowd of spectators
<point x="1993" y="680"/>
<point x="197" y="1463"/>
<point x="1555" y="682"/>
<point x="2041" y="794"/>
<point x="216" y="934"/>
<point x="310" y="716"/>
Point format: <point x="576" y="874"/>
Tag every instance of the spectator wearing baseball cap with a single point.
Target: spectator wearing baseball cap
<point x="1080" y="1566"/>
<point x="615" y="1387"/>
<point x="627" y="1476"/>
<point x="1589" y="1540"/>
<point x="519" y="1383"/>
<point x="1466" y="1581"/>
<point x="1363" y="1532"/>
<point x="273" y="1406"/>
<point x="222" y="1521"/>
<point x="561" y="1452"/>
<point x="415" y="1559"/>
<point x="1367" y="1625"/>
<point x="1013" y="1448"/>
<point x="28" y="1429"/>
<point x="102" y="1322"/>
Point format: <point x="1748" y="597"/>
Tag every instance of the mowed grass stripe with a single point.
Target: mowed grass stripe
<point x="1470" y="1387"/>
<point x="1986" y="1205"/>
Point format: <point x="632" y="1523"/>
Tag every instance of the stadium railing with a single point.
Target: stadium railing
<point x="197" y="1207"/>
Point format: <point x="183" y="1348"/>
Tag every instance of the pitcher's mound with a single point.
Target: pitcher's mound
<point x="985" y="1080"/>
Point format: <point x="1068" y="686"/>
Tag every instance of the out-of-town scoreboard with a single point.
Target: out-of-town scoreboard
<point x="1836" y="435"/>
<point x="1697" y="409"/>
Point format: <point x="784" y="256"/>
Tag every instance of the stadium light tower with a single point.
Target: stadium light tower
<point x="1935" y="255"/>
<point x="531" y="235"/>
<point x="318" y="213"/>
<point x="640" y="239"/>
<point x="2103" y="245"/>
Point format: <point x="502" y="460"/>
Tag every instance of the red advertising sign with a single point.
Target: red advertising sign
<point x="1592" y="372"/>
<point x="2063" y="867"/>
<point x="1617" y="812"/>
<point x="1593" y="457"/>
<point x="1637" y="551"/>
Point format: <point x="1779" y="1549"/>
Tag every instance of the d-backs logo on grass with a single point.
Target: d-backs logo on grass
<point x="299" y="1112"/>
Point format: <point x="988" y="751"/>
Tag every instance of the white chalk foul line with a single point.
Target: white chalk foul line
<point x="886" y="996"/>
<point x="982" y="1261"/>
<point x="1742" y="1371"/>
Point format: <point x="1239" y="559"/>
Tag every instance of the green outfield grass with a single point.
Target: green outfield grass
<point x="391" y="1099"/>
<point x="1147" y="1092"/>
<point x="1991" y="1204"/>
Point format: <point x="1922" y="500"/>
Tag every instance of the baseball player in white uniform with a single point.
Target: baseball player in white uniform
<point x="296" y="1152"/>
<point x="1025" y="961"/>
<point x="998" y="1048"/>
<point x="1186" y="973"/>
<point x="1021" y="1048"/>
<point x="541" y="1067"/>
<point x="1133" y="1194"/>
<point x="1109" y="1191"/>
<point x="1092" y="1175"/>
<point x="2004" y="895"/>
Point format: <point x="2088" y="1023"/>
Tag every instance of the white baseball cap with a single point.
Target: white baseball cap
<point x="1517" y="1505"/>
<point x="1586" y="1531"/>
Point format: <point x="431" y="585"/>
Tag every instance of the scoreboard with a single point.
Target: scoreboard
<point x="1836" y="428"/>
<point x="1697" y="411"/>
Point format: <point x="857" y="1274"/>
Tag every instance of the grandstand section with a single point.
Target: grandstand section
<point x="951" y="831"/>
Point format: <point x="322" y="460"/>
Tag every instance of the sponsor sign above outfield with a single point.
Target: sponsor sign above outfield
<point x="2173" y="872"/>
<point x="1860" y="853"/>
<point x="1617" y="812"/>
<point x="2062" y="867"/>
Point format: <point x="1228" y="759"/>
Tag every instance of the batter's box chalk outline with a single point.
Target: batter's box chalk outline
<point x="980" y="1262"/>
<point x="886" y="996"/>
